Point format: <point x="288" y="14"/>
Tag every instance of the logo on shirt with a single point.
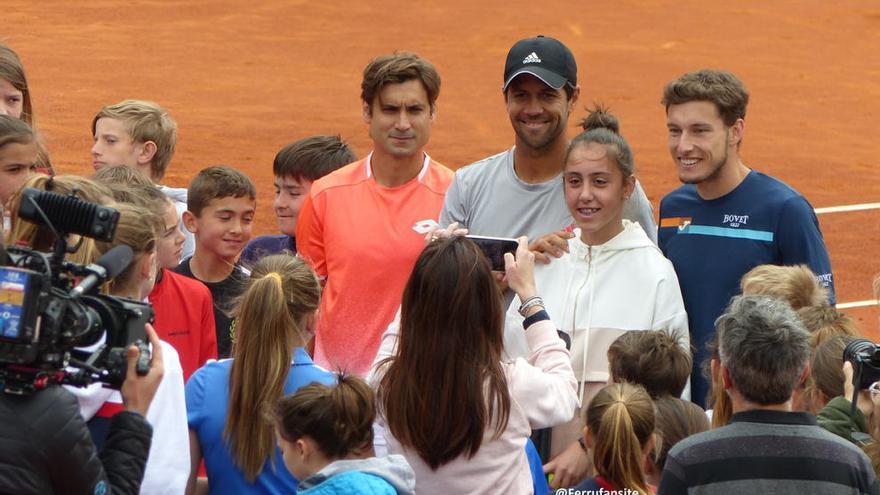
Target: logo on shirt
<point x="735" y="220"/>
<point x="425" y="226"/>
<point x="679" y="222"/>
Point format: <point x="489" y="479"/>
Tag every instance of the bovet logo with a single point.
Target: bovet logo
<point x="735" y="220"/>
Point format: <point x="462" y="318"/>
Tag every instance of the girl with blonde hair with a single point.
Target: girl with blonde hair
<point x="166" y="471"/>
<point x="229" y="401"/>
<point x="29" y="234"/>
<point x="797" y="285"/>
<point x="619" y="430"/>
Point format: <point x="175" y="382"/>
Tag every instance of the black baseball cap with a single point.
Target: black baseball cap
<point x="543" y="57"/>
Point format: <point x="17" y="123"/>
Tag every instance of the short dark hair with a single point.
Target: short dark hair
<point x="399" y="68"/>
<point x="652" y="359"/>
<point x="764" y="346"/>
<point x="217" y="182"/>
<point x="339" y="418"/>
<point x="719" y="87"/>
<point x="312" y="158"/>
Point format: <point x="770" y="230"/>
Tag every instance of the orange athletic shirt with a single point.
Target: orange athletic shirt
<point x="364" y="238"/>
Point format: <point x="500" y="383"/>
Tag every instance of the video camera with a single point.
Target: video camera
<point x="54" y="326"/>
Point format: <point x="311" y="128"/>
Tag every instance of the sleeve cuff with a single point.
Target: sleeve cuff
<point x="535" y="318"/>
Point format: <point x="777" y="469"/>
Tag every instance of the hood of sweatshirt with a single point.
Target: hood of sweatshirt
<point x="393" y="468"/>
<point x="178" y="194"/>
<point x="631" y="237"/>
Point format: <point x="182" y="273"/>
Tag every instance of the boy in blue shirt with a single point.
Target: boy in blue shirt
<point x="296" y="166"/>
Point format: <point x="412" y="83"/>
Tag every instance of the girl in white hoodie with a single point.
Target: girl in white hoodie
<point x="611" y="280"/>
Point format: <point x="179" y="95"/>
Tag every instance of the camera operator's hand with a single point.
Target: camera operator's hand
<point x="865" y="403"/>
<point x="138" y="391"/>
<point x="519" y="270"/>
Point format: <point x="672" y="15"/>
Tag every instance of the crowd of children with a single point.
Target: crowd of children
<point x="462" y="375"/>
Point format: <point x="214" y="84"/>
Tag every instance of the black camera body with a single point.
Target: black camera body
<point x="865" y="358"/>
<point x="54" y="325"/>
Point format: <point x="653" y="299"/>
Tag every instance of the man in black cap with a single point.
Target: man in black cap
<point x="519" y="191"/>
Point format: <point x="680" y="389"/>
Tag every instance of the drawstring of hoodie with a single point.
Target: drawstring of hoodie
<point x="586" y="338"/>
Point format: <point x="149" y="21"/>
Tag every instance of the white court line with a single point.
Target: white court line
<point x="838" y="209"/>
<point x="857" y="304"/>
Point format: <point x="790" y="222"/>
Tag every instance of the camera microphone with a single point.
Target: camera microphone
<point x="111" y="264"/>
<point x="69" y="214"/>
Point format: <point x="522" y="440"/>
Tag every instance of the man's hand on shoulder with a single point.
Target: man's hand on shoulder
<point x="554" y="244"/>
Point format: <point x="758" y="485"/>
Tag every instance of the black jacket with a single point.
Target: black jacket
<point x="46" y="448"/>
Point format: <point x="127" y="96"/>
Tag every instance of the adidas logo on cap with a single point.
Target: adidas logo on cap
<point x="532" y="59"/>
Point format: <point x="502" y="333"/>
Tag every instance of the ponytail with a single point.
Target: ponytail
<point x="338" y="418"/>
<point x="621" y="419"/>
<point x="282" y="291"/>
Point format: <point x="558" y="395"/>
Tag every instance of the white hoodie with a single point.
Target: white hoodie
<point x="178" y="196"/>
<point x="596" y="293"/>
<point x="168" y="462"/>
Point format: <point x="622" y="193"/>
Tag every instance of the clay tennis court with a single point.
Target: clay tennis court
<point x="244" y="78"/>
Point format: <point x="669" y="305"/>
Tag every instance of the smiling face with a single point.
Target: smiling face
<point x="400" y="119"/>
<point x="701" y="146"/>
<point x="16" y="164"/>
<point x="11" y="100"/>
<point x="595" y="191"/>
<point x="290" y="194"/>
<point x="537" y="112"/>
<point x="223" y="227"/>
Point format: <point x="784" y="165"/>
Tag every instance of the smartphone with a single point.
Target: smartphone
<point x="494" y="249"/>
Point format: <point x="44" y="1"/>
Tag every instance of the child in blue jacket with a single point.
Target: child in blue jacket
<point x="326" y="437"/>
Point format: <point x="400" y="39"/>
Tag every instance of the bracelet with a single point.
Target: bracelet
<point x="583" y="445"/>
<point x="530" y="302"/>
<point x="535" y="318"/>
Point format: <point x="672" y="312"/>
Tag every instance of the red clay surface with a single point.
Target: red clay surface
<point x="243" y="79"/>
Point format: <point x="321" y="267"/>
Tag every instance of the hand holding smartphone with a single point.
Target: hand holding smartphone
<point x="494" y="249"/>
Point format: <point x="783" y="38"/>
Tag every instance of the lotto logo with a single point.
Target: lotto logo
<point x="425" y="226"/>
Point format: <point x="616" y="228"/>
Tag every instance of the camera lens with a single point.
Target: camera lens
<point x="858" y="350"/>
